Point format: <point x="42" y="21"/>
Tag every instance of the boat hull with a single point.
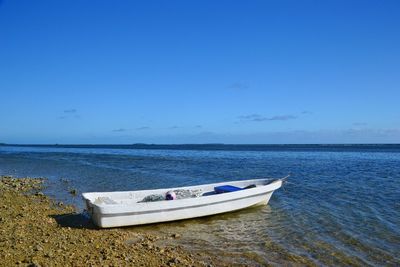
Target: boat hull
<point x="164" y="211"/>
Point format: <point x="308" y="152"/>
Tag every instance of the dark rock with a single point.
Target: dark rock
<point x="173" y="261"/>
<point x="73" y="191"/>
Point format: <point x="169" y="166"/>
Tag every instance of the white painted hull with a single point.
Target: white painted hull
<point x="125" y="210"/>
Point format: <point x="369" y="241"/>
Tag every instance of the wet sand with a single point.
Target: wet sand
<point x="37" y="231"/>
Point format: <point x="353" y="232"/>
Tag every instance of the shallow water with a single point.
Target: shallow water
<point x="340" y="206"/>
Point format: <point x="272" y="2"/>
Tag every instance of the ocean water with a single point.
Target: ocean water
<point x="340" y="207"/>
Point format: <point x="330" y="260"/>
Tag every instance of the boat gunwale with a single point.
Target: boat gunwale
<point x="270" y="180"/>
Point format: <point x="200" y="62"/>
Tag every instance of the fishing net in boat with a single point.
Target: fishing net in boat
<point x="180" y="194"/>
<point x="186" y="193"/>
<point x="153" y="198"/>
<point x="104" y="200"/>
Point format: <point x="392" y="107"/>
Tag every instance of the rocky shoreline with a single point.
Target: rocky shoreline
<point x="37" y="231"/>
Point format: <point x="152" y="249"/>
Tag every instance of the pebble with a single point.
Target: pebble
<point x="176" y="235"/>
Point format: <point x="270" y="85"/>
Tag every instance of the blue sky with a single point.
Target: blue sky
<point x="199" y="71"/>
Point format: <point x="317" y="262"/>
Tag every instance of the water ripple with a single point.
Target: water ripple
<point x="340" y="208"/>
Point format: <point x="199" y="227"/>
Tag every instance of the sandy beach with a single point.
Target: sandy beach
<point x="37" y="231"/>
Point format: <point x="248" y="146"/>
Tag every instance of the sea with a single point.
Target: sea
<point x="339" y="207"/>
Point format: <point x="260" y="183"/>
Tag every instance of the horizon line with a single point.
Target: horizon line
<point x="196" y="144"/>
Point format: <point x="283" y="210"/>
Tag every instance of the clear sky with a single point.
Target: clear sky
<point x="200" y="71"/>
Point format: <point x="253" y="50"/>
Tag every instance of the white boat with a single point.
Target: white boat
<point x="125" y="208"/>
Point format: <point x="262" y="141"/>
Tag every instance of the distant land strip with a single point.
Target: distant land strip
<point x="225" y="147"/>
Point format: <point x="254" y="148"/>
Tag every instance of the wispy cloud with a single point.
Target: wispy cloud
<point x="142" y="128"/>
<point x="282" y="118"/>
<point x="323" y="136"/>
<point x="306" y="112"/>
<point x="120" y="130"/>
<point x="238" y="86"/>
<point x="198" y="126"/>
<point x="259" y="118"/>
<point x="69" y="113"/>
<point x="72" y="110"/>
<point x="252" y="117"/>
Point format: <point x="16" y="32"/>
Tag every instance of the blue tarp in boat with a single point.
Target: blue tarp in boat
<point x="226" y="189"/>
